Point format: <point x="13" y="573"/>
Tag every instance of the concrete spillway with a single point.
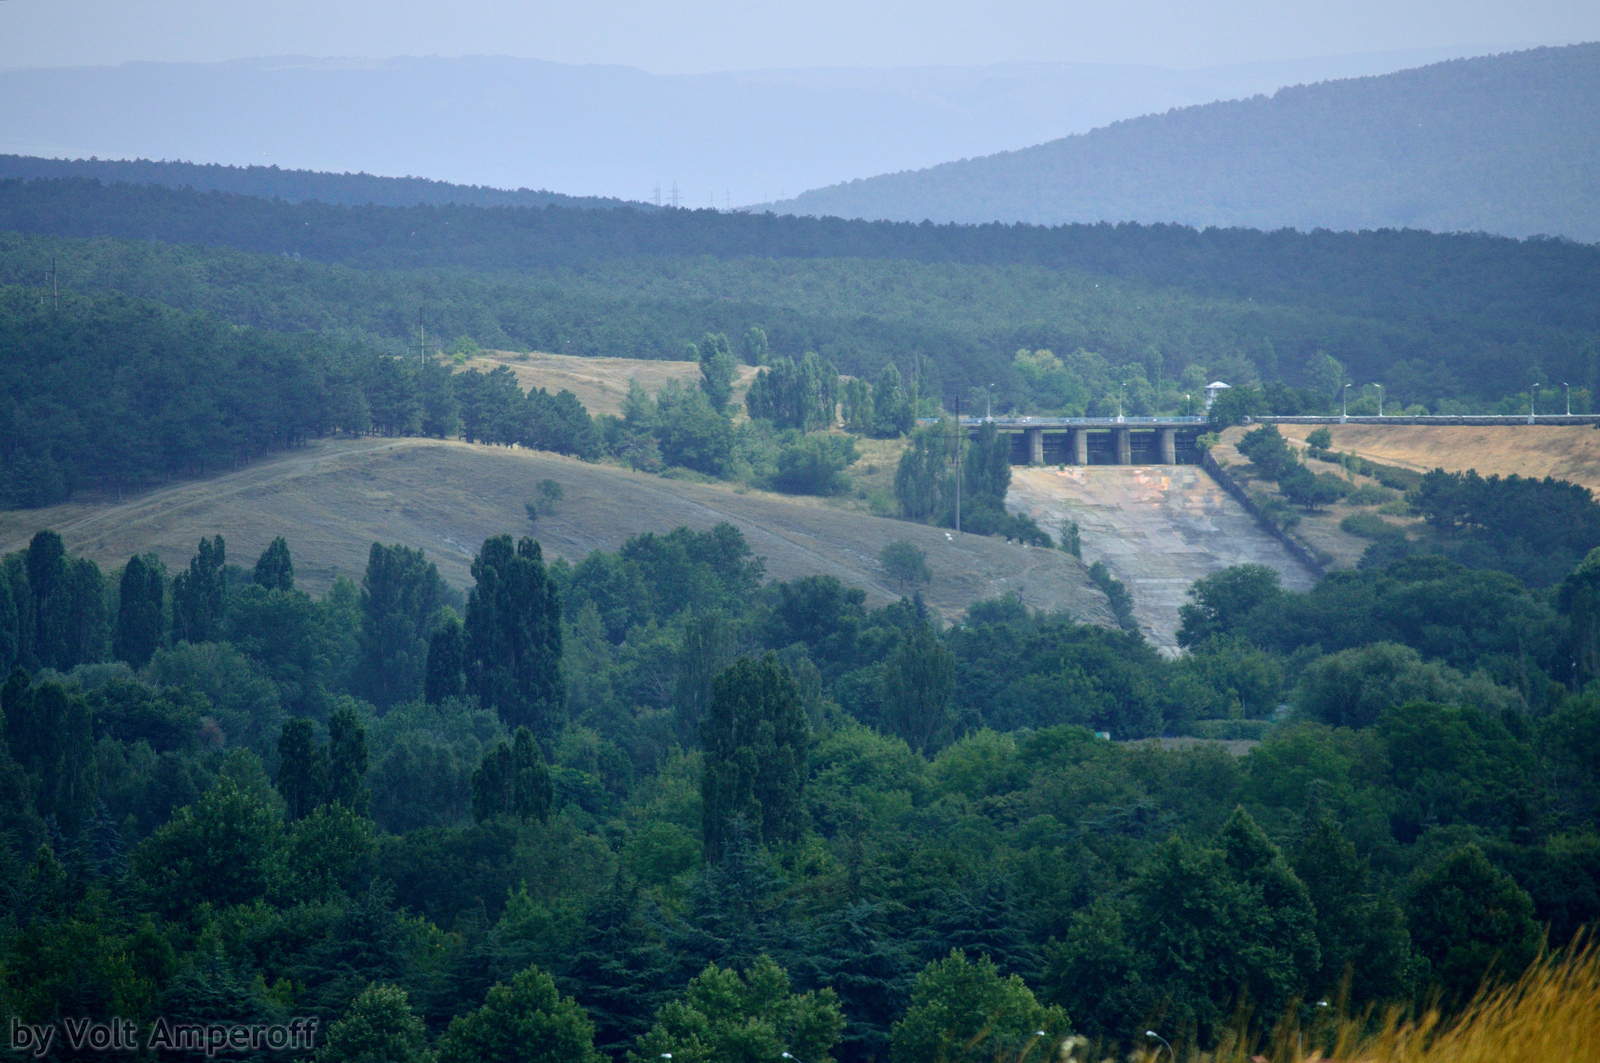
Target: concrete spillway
<point x="1158" y="528"/>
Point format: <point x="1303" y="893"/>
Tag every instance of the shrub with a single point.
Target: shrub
<point x="905" y="562"/>
<point x="1370" y="526"/>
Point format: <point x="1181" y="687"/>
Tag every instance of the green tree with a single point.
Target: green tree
<point x="513" y="637"/>
<point x="986" y="472"/>
<point x="513" y="780"/>
<point x="275" y="569"/>
<point x="527" y="1021"/>
<point x="1223" y="600"/>
<point x="894" y="406"/>
<point x="378" y="1027"/>
<point x="302" y="769"/>
<point x="708" y="648"/>
<point x="1470" y="921"/>
<point x="718" y="370"/>
<point x="1579" y="600"/>
<point x="905" y="563"/>
<point x="755" y="737"/>
<point x="918" y="682"/>
<point x="447" y="648"/>
<point x="754" y="1018"/>
<point x="347" y="760"/>
<point x="922" y="481"/>
<point x="855" y="405"/>
<point x="199" y="596"/>
<point x="225" y="849"/>
<point x="49" y="732"/>
<point x="1359" y="934"/>
<point x="964" y="1010"/>
<point x="754" y="347"/>
<point x="400" y="602"/>
<point x="141" y="622"/>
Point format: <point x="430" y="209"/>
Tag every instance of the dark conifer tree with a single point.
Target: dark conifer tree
<point x="140" y="617"/>
<point x="755" y="737"/>
<point x="447" y="649"/>
<point x="618" y="968"/>
<point x="275" y="569"/>
<point x="513" y="637"/>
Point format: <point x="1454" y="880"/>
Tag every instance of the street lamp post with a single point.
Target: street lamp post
<point x="1567" y="388"/>
<point x="1121" y="391"/>
<point x="1171" y="1055"/>
<point x="1344" y="404"/>
<point x="1533" y="403"/>
<point x="1380" y="398"/>
<point x="988" y="402"/>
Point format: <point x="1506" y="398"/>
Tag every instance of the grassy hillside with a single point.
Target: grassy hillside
<point x="1505" y="144"/>
<point x="334" y="499"/>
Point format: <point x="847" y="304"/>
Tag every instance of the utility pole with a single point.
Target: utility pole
<point x="55" y="287"/>
<point x="422" y="339"/>
<point x="959" y="441"/>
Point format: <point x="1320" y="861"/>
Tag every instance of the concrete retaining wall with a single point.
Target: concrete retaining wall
<point x="1240" y="495"/>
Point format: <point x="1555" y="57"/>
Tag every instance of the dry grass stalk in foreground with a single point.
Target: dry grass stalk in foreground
<point x="1550" y="1015"/>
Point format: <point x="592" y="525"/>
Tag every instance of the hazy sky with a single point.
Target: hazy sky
<point x="735" y="34"/>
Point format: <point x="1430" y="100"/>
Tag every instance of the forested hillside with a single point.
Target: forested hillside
<point x="650" y="803"/>
<point x="269" y="182"/>
<point x="1503" y="144"/>
<point x="1438" y="319"/>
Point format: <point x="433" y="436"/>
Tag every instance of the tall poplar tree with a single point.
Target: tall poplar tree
<point x="513" y="637"/>
<point x="447" y="648"/>
<point x="400" y="602"/>
<point x="513" y="780"/>
<point x="199" y="596"/>
<point x="275" y="569"/>
<point x="755" y="738"/>
<point x="140" y="618"/>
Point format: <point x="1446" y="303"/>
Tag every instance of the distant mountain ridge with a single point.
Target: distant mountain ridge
<point x="298" y="186"/>
<point x="724" y="139"/>
<point x="1506" y="144"/>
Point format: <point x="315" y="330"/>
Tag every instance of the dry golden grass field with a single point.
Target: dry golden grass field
<point x="334" y="498"/>
<point x="600" y="383"/>
<point x="1567" y="453"/>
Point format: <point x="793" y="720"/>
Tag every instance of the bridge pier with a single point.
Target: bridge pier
<point x="1124" y="438"/>
<point x="1169" y="445"/>
<point x="1080" y="446"/>
<point x="1036" y="446"/>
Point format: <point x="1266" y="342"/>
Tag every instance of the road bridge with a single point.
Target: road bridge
<point x="1097" y="440"/>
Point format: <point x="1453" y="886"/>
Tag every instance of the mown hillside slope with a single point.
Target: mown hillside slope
<point x="333" y="499"/>
<point x="1505" y="144"/>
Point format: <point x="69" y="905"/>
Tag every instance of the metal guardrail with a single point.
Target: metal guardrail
<point x="1075" y="422"/>
<point x="1508" y="420"/>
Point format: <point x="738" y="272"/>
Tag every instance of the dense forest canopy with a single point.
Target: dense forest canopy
<point x="1451" y="323"/>
<point x="270" y="182"/>
<point x="695" y="807"/>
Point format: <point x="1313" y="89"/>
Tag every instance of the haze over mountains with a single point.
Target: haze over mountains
<point x="1507" y="144"/>
<point x="731" y="138"/>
